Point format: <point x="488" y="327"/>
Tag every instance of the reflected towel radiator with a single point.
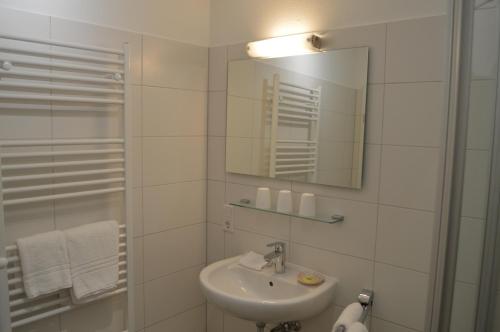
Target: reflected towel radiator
<point x="46" y="75"/>
<point x="294" y="105"/>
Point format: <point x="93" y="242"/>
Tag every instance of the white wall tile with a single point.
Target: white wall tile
<point x="74" y="212"/>
<point x="173" y="112"/>
<point x="264" y="223"/>
<point x="413" y="114"/>
<point x="136" y="102"/>
<point x="395" y="286"/>
<point x="411" y="232"/>
<point x="91" y="317"/>
<point x="27" y="219"/>
<point x="380" y="325"/>
<point x="215" y="318"/>
<point x="217" y="113"/>
<point x="373" y="36"/>
<point x="416" y="50"/>
<point x="215" y="243"/>
<point x="215" y="201"/>
<point x="409" y="177"/>
<point x="26" y="125"/>
<point x="49" y="324"/>
<point x="182" y="286"/>
<point x="139" y="307"/>
<point x="171" y="251"/>
<point x="173" y="159"/>
<point x="137" y="214"/>
<point x="237" y="52"/>
<point x="165" y="206"/>
<point x="83" y="125"/>
<point x="137" y="162"/>
<point x="72" y="31"/>
<point x="139" y="260"/>
<point x="232" y="323"/>
<point x="14" y="22"/>
<point x="240" y="242"/>
<point x="374" y="113"/>
<point x="324" y="321"/>
<point x="352" y="273"/>
<point x="217" y="78"/>
<point x="186" y="68"/>
<point x="190" y="321"/>
<point x="354" y="236"/>
<point x="216" y="154"/>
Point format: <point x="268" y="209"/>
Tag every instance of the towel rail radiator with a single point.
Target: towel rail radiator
<point x="61" y="77"/>
<point x="294" y="105"/>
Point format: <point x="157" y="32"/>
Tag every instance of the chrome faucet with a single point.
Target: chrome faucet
<point x="277" y="256"/>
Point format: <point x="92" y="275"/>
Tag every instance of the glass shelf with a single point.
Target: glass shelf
<point x="245" y="203"/>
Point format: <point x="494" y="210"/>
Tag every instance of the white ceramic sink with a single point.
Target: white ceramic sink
<point x="264" y="296"/>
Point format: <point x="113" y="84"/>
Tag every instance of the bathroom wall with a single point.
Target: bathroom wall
<point x="169" y="94"/>
<point x="185" y="20"/>
<point x="258" y="19"/>
<point x="386" y="239"/>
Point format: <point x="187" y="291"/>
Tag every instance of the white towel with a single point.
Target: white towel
<point x="253" y="261"/>
<point x="44" y="262"/>
<point x="357" y="327"/>
<point x="349" y="316"/>
<point x="93" y="256"/>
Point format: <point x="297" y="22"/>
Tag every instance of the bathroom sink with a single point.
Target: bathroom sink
<point x="264" y="296"/>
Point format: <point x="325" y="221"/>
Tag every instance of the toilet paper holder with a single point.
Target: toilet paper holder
<point x="365" y="298"/>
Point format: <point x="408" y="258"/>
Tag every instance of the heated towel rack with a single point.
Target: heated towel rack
<point x="47" y="75"/>
<point x="293" y="106"/>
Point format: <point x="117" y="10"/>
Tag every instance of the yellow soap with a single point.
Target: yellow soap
<point x="310" y="279"/>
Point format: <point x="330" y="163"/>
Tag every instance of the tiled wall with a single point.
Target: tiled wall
<point x="386" y="239"/>
<point x="169" y="177"/>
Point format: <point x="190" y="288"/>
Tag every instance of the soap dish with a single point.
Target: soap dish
<point x="310" y="278"/>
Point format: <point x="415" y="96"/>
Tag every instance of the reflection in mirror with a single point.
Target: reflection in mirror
<point x="300" y="118"/>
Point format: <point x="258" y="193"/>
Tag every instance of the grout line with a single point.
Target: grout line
<point x="184" y="269"/>
<point x="174" y="228"/>
<point x="169" y="183"/>
<point x="394" y="323"/>
<point x="373" y="279"/>
<point x="175" y="315"/>
<point x="412" y="82"/>
<point x="172" y="136"/>
<point x="173" y="88"/>
<point x="402" y="267"/>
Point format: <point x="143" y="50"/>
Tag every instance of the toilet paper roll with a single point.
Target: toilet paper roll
<point x="263" y="200"/>
<point x="349" y="316"/>
<point x="284" y="201"/>
<point x="307" y="205"/>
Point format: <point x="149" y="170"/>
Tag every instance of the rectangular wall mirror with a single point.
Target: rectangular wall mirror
<point x="299" y="118"/>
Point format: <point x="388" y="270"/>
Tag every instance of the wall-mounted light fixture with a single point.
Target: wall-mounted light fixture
<point x="285" y="46"/>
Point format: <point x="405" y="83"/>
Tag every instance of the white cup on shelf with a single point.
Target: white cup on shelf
<point x="284" y="201"/>
<point x="263" y="200"/>
<point x="307" y="205"/>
